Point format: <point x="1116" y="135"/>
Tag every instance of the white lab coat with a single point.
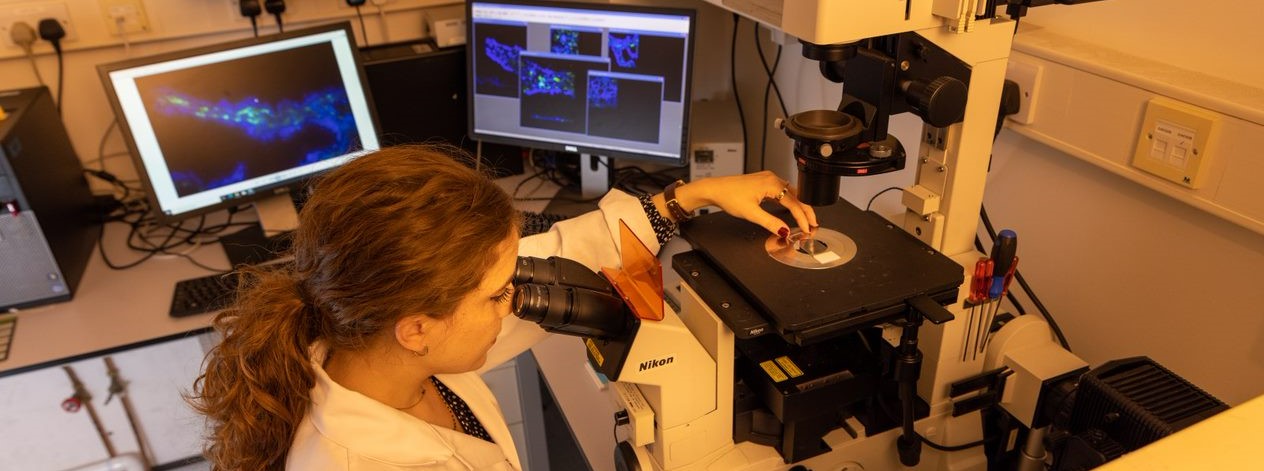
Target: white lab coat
<point x="345" y="430"/>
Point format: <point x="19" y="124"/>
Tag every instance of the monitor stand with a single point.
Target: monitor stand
<point x="267" y="239"/>
<point x="594" y="176"/>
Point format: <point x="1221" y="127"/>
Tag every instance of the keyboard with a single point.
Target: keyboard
<point x="201" y="295"/>
<point x="534" y="223"/>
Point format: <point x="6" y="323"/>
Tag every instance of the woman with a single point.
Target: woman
<point x="364" y="353"/>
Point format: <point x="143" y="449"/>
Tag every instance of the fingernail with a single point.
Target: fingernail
<point x="783" y="232"/>
<point x="814" y="226"/>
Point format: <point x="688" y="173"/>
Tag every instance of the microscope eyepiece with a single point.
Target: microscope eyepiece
<point x="572" y="310"/>
<point x="557" y="271"/>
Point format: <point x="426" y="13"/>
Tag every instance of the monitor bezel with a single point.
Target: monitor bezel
<point x="262" y="192"/>
<point x="686" y="82"/>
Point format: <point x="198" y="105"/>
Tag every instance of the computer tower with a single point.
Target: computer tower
<point x="419" y="92"/>
<point x="47" y="226"/>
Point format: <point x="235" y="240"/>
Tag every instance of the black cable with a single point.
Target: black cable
<point x="538" y="174"/>
<point x="251" y="9"/>
<point x="763" y="140"/>
<point x="51" y="30"/>
<point x="951" y="448"/>
<point x="737" y="97"/>
<point x="61" y="78"/>
<point x="770" y="71"/>
<point x="945" y="448"/>
<point x="364" y="31"/>
<point x="876" y="195"/>
<point x="106" y="259"/>
<point x="1018" y="275"/>
<point x="276" y="8"/>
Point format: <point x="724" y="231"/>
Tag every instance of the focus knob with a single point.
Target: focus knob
<point x="941" y="103"/>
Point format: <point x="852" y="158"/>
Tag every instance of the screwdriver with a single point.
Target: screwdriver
<point x="979" y="285"/>
<point x="1004" y="250"/>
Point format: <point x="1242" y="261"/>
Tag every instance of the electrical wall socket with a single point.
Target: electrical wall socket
<point x="32" y="13"/>
<point x="1028" y="78"/>
<point x="124" y="16"/>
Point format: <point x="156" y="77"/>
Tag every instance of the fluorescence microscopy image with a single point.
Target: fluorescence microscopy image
<point x="625" y="49"/>
<point x="230" y="121"/>
<point x="496" y="49"/>
<point x="554" y="90"/>
<point x="624" y="107"/>
<point x="649" y="54"/>
<point x="575" y="42"/>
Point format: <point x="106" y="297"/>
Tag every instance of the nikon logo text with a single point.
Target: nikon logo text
<point x="645" y="365"/>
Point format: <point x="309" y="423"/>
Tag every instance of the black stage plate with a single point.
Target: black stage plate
<point x="806" y="305"/>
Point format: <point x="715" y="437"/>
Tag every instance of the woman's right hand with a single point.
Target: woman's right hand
<point x="741" y="195"/>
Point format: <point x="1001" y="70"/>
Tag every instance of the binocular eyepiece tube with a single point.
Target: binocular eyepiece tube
<point x="564" y="296"/>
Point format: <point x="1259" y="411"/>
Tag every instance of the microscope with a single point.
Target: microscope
<point x="815" y="351"/>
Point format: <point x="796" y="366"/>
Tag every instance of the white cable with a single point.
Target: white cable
<point x="24" y="37"/>
<point x="31" y="57"/>
<point x="122" y="32"/>
<point x="381" y="14"/>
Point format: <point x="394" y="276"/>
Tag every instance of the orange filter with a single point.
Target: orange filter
<point x="640" y="281"/>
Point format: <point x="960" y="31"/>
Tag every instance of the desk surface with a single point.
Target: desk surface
<point x="110" y="309"/>
<point x="119" y="309"/>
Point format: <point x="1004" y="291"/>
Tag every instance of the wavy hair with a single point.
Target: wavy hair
<point x="401" y="231"/>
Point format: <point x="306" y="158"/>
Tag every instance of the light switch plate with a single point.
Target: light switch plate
<point x="1175" y="141"/>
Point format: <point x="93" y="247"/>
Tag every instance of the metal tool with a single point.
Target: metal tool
<point x="82" y="398"/>
<point x="1004" y="250"/>
<point x="118" y="387"/>
<point x="978" y="296"/>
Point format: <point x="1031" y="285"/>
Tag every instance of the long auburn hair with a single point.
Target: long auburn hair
<point x="401" y="231"/>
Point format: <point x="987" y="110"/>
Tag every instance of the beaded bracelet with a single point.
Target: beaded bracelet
<point x="664" y="229"/>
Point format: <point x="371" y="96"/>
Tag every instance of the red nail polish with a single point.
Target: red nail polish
<point x="783" y="232"/>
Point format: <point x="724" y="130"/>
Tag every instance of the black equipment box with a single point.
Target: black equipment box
<point x="419" y="93"/>
<point x="47" y="226"/>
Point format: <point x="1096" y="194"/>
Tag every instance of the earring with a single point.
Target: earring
<point x="424" y="350"/>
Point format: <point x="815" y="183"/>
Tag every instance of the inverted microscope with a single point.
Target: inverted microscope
<point x="868" y="344"/>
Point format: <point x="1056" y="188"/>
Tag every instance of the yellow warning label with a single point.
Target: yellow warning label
<point x="773" y="372"/>
<point x="594" y="352"/>
<point x="791" y="368"/>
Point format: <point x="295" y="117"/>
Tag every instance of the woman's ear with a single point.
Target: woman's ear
<point x="412" y="332"/>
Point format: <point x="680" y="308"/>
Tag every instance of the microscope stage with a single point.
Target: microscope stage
<point x="805" y="305"/>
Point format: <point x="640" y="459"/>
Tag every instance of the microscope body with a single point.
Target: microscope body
<point x="944" y="61"/>
<point x="675" y="378"/>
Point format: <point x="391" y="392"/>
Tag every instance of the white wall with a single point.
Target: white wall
<point x="1125" y="270"/>
<point x="175" y="25"/>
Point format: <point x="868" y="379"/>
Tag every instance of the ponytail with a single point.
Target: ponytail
<point x="256" y="382"/>
<point x="375" y="242"/>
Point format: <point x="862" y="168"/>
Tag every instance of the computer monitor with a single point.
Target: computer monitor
<point x="244" y="121"/>
<point x="599" y="79"/>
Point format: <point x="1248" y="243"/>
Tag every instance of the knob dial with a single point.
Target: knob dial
<point x="941" y="103"/>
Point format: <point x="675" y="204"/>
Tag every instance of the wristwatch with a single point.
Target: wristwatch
<point x="673" y="205"/>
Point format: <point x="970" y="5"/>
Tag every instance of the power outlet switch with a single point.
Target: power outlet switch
<point x="124" y="16"/>
<point x="1175" y="142"/>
